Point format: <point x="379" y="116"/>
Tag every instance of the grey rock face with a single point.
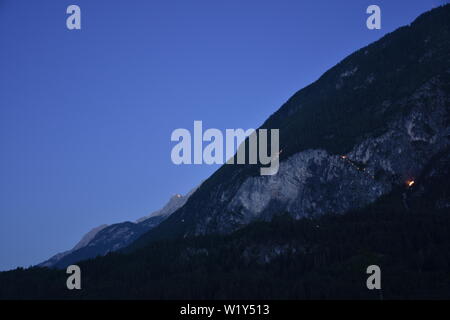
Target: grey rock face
<point x="309" y="183"/>
<point x="314" y="182"/>
<point x="88" y="237"/>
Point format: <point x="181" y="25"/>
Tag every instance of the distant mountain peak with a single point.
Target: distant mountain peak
<point x="175" y="202"/>
<point x="107" y="238"/>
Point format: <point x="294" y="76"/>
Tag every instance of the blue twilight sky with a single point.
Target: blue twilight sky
<point x="86" y="116"/>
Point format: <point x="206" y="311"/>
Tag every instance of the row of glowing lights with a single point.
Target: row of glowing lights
<point x="409" y="183"/>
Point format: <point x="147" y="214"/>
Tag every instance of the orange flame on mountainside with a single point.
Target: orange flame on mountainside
<point x="410" y="183"/>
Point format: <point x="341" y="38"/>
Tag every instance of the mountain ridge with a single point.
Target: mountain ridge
<point x="364" y="179"/>
<point x="108" y="238"/>
<point x="398" y="79"/>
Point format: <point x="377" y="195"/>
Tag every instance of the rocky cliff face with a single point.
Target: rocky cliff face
<point x="88" y="237"/>
<point x="370" y="124"/>
<point x="314" y="182"/>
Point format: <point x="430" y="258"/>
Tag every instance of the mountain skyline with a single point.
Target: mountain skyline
<point x="364" y="181"/>
<point x="109" y="238"/>
<point x="87" y="142"/>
